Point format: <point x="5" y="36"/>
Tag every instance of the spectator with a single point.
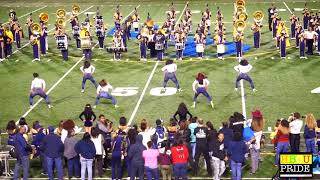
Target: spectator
<point x="201" y="133"/>
<point x="219" y="156"/>
<point x="23" y="122"/>
<point x="282" y="139"/>
<point x="192" y="127"/>
<point x="150" y="157"/>
<point x="236" y="123"/>
<point x="53" y="148"/>
<point x="59" y="129"/>
<point x="97" y="140"/>
<point x="172" y="130"/>
<point x="11" y="130"/>
<point x="118" y="151"/>
<point x="318" y="134"/>
<point x="182" y="112"/>
<point x="159" y="135"/>
<point x="180" y="156"/>
<point x="295" y="128"/>
<point x="136" y="159"/>
<point x="228" y="134"/>
<point x="237" y="150"/>
<point x="165" y="161"/>
<point x="38" y="137"/>
<point x="88" y="119"/>
<point x="257" y="124"/>
<point x="22" y="150"/>
<point x="146" y="132"/>
<point x="274" y="133"/>
<point x="212" y="135"/>
<point x="85" y="148"/>
<point x="310" y="133"/>
<point x="73" y="161"/>
<point x="130" y="140"/>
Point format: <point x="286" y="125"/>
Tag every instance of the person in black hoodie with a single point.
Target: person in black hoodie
<point x="201" y="133"/>
<point x="136" y="159"/>
<point x="218" y="156"/>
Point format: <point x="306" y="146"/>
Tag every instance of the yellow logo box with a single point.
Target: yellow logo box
<point x="295" y="159"/>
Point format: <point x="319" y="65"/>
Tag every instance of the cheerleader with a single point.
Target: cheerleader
<point x="43" y="38"/>
<point x="104" y="91"/>
<point x="238" y="38"/>
<point x="38" y="87"/>
<point x="143" y="47"/>
<point x="243" y="69"/>
<point x="87" y="69"/>
<point x="18" y="35"/>
<point x="170" y="74"/>
<point x="199" y="39"/>
<point x="200" y="86"/>
<point x="35" y="46"/>
<point x="256" y="28"/>
<point x="2" y="47"/>
<point x="293" y="22"/>
<point x="302" y="46"/>
<point x="283" y="44"/>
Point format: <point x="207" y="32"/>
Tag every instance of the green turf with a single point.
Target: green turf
<point x="283" y="86"/>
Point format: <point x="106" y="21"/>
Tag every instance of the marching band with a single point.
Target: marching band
<point x="157" y="39"/>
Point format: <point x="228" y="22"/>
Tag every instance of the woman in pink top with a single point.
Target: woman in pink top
<point x="150" y="157"/>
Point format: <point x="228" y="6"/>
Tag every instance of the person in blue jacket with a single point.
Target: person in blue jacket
<point x="136" y="159"/>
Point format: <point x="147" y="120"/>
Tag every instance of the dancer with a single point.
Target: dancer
<point x="87" y="69"/>
<point x="38" y="87"/>
<point x="200" y="86"/>
<point x="104" y="91"/>
<point x="170" y="74"/>
<point x="243" y="69"/>
<point x="88" y="118"/>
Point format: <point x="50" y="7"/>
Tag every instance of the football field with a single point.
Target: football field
<point x="283" y="86"/>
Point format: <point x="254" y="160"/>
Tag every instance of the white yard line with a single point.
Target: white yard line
<point x="17" y="50"/>
<point x="29" y="13"/>
<point x="243" y="100"/>
<point x="149" y="81"/>
<point x="287" y="7"/>
<point x="67" y="73"/>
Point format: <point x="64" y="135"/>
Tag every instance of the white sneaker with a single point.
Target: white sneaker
<point x="30" y="106"/>
<point x="194" y="105"/>
<point x="236" y="89"/>
<point x="49" y="106"/>
<point x="94" y="106"/>
<point x="179" y="90"/>
<point x="163" y="90"/>
<point x="82" y="90"/>
<point x="254" y="90"/>
<point x="116" y="106"/>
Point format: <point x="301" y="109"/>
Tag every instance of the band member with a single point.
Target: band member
<point x="271" y="12"/>
<point x="220" y="40"/>
<point x="275" y="23"/>
<point x="179" y="40"/>
<point x="302" y="46"/>
<point x="117" y="18"/>
<point x="135" y="20"/>
<point x="100" y="32"/>
<point x="283" y="44"/>
<point x="104" y="91"/>
<point x="306" y="18"/>
<point x="243" y="69"/>
<point x="86" y="43"/>
<point x="117" y="45"/>
<point x="293" y="22"/>
<point x="310" y="36"/>
<point x="62" y="43"/>
<point x="74" y="21"/>
<point x="76" y="35"/>
<point x="8" y="39"/>
<point x="299" y="30"/>
<point x="238" y="39"/>
<point x="159" y="40"/>
<point x="13" y="15"/>
<point x="200" y="41"/>
<point x="143" y="47"/>
<point x="29" y="23"/>
<point x="200" y="86"/>
<point x="2" y="44"/>
<point x="281" y="28"/>
<point x="318" y="32"/>
<point x="256" y="28"/>
<point x="43" y="39"/>
<point x="38" y="87"/>
<point x="34" y="41"/>
<point x="87" y="69"/>
<point x="170" y="74"/>
<point x="18" y="35"/>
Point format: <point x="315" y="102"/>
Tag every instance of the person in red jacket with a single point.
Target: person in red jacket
<point x="282" y="139"/>
<point x="180" y="156"/>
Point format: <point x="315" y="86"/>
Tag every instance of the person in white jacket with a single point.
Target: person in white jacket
<point x="243" y="69"/>
<point x="104" y="91"/>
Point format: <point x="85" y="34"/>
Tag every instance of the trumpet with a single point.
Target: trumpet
<point x="75" y="9"/>
<point x="44" y="17"/>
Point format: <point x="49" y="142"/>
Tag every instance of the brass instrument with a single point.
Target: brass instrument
<point x="61" y="22"/>
<point x="240" y="25"/>
<point x="75" y="9"/>
<point x="149" y="23"/>
<point x="61" y="13"/>
<point x="44" y="17"/>
<point x="35" y="28"/>
<point x="241" y="9"/>
<point x="240" y="2"/>
<point x="242" y="16"/>
<point x="258" y="16"/>
<point x="144" y="32"/>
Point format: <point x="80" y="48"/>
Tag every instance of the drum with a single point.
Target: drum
<point x="179" y="46"/>
<point x="135" y="25"/>
<point x="62" y="42"/>
<point x="221" y="48"/>
<point x="86" y="43"/>
<point x="159" y="46"/>
<point x="200" y="48"/>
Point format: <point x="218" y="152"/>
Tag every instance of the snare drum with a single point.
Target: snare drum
<point x="200" y="48"/>
<point x="86" y="43"/>
<point x="62" y="43"/>
<point x="221" y="48"/>
<point x="159" y="46"/>
<point x="135" y="25"/>
<point x="179" y="46"/>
